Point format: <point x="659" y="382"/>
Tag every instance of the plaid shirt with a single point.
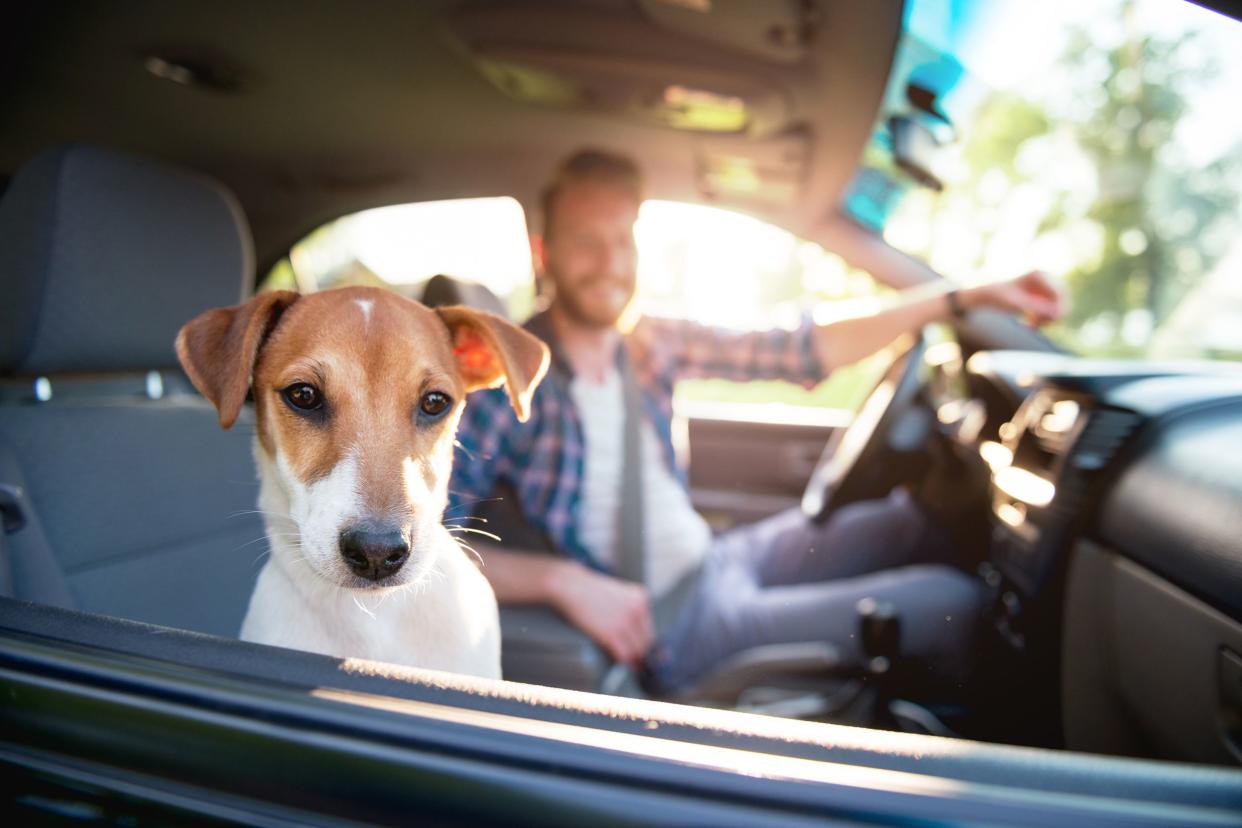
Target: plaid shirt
<point x="543" y="458"/>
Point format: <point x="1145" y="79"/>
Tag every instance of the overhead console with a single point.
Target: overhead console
<point x="726" y="74"/>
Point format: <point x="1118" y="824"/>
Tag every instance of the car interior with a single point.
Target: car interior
<point x="158" y="159"/>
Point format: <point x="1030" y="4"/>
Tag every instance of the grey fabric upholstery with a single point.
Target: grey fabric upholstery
<point x="34" y="573"/>
<point x="142" y="508"/>
<point x="146" y="505"/>
<point x="103" y="255"/>
<point x="539" y="647"/>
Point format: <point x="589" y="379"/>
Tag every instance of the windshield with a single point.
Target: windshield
<point x="1100" y="140"/>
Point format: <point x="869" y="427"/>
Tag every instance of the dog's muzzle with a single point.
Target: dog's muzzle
<point x="374" y="554"/>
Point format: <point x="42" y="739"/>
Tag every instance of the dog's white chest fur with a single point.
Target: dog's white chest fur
<point x="449" y="621"/>
<point x="446" y="620"/>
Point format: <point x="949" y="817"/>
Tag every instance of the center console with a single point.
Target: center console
<point x="1045" y="464"/>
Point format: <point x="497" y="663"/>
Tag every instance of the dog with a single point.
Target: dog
<point x="357" y="394"/>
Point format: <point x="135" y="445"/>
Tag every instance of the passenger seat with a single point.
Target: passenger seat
<point x="137" y="504"/>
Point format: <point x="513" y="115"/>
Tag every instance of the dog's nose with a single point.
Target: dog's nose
<point x="374" y="554"/>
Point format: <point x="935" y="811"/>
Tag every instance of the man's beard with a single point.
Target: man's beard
<point x="590" y="314"/>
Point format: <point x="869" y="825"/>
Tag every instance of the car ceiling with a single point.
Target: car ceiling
<point x="340" y="106"/>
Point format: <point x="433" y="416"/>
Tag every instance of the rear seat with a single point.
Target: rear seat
<point x="137" y="504"/>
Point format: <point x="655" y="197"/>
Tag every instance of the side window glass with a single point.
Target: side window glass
<point x="727" y="269"/>
<point x="480" y="240"/>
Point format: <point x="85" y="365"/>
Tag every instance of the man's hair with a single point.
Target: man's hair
<point x="591" y="166"/>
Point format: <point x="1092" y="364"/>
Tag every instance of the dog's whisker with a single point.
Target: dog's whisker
<point x="262" y="512"/>
<point x="473" y="531"/>
<point x="268" y="535"/>
<point x="360" y="606"/>
<point x="467" y="547"/>
<point x="472" y="502"/>
<point x="258" y="540"/>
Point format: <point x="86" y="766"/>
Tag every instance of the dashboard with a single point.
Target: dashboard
<point x="1114" y="497"/>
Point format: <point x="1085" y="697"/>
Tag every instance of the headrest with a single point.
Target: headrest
<point x="445" y="290"/>
<point x="104" y="255"/>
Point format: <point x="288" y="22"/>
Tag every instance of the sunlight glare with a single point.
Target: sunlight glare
<point x="412" y="242"/>
<point x="710" y="265"/>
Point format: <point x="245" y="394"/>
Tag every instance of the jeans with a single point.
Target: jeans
<point x="786" y="579"/>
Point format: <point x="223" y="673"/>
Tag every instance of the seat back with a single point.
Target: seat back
<point x="143" y="508"/>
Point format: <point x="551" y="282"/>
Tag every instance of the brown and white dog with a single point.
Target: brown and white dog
<point x="357" y="396"/>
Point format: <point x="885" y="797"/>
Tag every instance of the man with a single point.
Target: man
<point x="781" y="580"/>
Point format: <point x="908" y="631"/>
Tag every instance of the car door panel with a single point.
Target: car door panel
<point x="742" y="470"/>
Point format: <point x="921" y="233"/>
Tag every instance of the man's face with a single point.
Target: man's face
<point x="590" y="257"/>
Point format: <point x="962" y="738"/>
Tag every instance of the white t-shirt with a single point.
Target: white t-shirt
<point x="675" y="536"/>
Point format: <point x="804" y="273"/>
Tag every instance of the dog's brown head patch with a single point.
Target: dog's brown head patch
<point x="360" y="373"/>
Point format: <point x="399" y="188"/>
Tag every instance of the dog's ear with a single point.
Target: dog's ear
<point x="218" y="349"/>
<point x="490" y="351"/>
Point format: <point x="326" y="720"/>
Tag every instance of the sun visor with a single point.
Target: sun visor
<point x="615" y="61"/>
<point x="769" y="172"/>
<point x="777" y="32"/>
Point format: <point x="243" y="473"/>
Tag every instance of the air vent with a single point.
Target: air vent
<point x="1106" y="432"/>
<point x="1103" y="436"/>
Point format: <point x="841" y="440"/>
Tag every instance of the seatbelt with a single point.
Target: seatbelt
<point x="631" y="545"/>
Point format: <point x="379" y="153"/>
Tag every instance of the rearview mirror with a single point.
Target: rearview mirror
<point x="915" y="147"/>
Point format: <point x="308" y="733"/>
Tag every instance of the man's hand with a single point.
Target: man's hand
<point x="1032" y="295"/>
<point x="616" y="614"/>
<point x="848" y="340"/>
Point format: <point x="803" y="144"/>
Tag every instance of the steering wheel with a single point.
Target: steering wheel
<point x="871" y="455"/>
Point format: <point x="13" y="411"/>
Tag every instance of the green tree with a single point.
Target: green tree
<point x="1161" y="222"/>
<point x="1157" y="213"/>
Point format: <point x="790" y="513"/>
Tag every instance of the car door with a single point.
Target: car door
<point x="748" y="464"/>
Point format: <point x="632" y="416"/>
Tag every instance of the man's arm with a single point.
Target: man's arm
<point x="807" y="355"/>
<point x="848" y="340"/>
<point x="616" y="614"/>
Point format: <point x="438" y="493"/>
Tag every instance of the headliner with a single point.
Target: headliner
<point x="343" y="106"/>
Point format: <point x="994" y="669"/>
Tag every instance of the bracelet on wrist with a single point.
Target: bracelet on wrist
<point x="954" y="299"/>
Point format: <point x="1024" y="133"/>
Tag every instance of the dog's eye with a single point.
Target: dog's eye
<point x="433" y="403"/>
<point x="303" y="396"/>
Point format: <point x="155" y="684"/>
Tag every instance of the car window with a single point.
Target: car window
<point x="481" y="240"/>
<point x="1098" y="139"/>
<point x="710" y="265"/>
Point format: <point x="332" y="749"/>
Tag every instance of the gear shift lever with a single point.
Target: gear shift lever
<point x="880" y="631"/>
<point x="880" y="628"/>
